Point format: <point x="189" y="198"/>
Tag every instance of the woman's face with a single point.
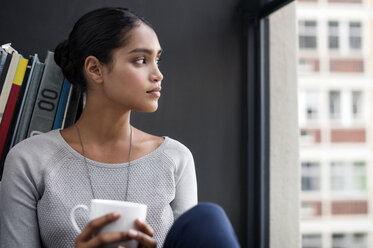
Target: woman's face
<point x="133" y="79"/>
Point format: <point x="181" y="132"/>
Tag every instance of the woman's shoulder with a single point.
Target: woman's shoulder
<point x="176" y="150"/>
<point x="41" y="145"/>
<point x="33" y="156"/>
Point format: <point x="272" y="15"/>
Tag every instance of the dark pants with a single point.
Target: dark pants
<point x="205" y="225"/>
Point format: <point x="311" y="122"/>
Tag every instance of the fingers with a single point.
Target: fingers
<point x="107" y="238"/>
<point x="87" y="238"/>
<point x="95" y="225"/>
<point x="144" y="227"/>
<point x="144" y="240"/>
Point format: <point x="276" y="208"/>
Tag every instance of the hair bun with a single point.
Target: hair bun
<point x="61" y="54"/>
<point x="63" y="59"/>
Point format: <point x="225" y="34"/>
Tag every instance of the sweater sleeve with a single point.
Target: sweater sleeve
<point x="18" y="202"/>
<point x="185" y="180"/>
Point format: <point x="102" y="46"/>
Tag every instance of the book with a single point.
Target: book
<point x="4" y="64"/>
<point x="29" y="102"/>
<point x="8" y="48"/>
<point x="62" y="105"/>
<point x="21" y="99"/>
<point x="14" y="119"/>
<point x="72" y="107"/>
<point x="11" y="104"/>
<point x="8" y="82"/>
<point x="47" y="99"/>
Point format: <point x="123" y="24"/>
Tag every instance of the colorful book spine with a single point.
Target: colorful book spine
<point x="47" y="100"/>
<point x="61" y="105"/>
<point x="22" y="98"/>
<point x="12" y="101"/>
<point x="8" y="82"/>
<point x="29" y="103"/>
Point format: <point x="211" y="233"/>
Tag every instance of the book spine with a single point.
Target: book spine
<point x="12" y="101"/>
<point x="72" y="107"/>
<point x="3" y="68"/>
<point x="61" y="105"/>
<point x="22" y="97"/>
<point x="29" y="102"/>
<point x="47" y="100"/>
<point x="67" y="105"/>
<point x="5" y="71"/>
<point x="8" y="82"/>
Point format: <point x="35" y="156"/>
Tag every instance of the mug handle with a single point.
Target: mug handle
<point x="72" y="216"/>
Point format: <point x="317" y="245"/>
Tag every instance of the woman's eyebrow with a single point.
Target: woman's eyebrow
<point x="145" y="50"/>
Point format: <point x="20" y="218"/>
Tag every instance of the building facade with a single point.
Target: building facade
<point x="335" y="118"/>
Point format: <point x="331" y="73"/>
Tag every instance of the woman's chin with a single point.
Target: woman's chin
<point x="148" y="109"/>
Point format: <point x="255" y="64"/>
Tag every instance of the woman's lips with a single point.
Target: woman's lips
<point x="155" y="92"/>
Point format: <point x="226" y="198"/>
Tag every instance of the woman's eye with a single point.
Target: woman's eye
<point x="140" y="61"/>
<point x="158" y="60"/>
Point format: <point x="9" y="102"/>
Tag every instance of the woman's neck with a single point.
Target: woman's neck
<point x="102" y="123"/>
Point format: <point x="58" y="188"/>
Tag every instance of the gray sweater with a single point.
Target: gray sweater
<point x="44" y="178"/>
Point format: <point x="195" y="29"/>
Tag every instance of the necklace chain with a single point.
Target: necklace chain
<point x="87" y="168"/>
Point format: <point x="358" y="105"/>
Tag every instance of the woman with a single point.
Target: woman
<point x="113" y="55"/>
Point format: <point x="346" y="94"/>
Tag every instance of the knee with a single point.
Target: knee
<point x="208" y="209"/>
<point x="208" y="213"/>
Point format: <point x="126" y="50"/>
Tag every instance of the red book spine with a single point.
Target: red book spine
<point x="12" y="102"/>
<point x="8" y="114"/>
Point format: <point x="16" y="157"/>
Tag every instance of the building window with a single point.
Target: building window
<point x="346" y="176"/>
<point x="357" y="104"/>
<point x="355" y="35"/>
<point x="307" y="35"/>
<point x="310" y="176"/>
<point x="355" y="240"/>
<point x="312" y="105"/>
<point x="335" y="104"/>
<point x="311" y="241"/>
<point x="333" y="35"/>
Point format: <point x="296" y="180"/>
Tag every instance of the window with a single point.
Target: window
<point x="355" y="35"/>
<point x="311" y="241"/>
<point x="307" y="35"/>
<point x="310" y="176"/>
<point x="355" y="240"/>
<point x="312" y="105"/>
<point x="357" y="104"/>
<point x="333" y="35"/>
<point x="335" y="104"/>
<point x="346" y="176"/>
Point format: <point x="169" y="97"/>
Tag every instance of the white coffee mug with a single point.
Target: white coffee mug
<point x="130" y="211"/>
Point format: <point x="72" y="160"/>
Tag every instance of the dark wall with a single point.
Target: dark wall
<point x="201" y="97"/>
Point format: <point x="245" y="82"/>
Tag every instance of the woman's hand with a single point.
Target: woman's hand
<point x="87" y="238"/>
<point x="144" y="236"/>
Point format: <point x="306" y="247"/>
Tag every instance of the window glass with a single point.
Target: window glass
<point x="333" y="35"/>
<point x="312" y="105"/>
<point x="311" y="241"/>
<point x="357" y="104"/>
<point x="347" y="176"/>
<point x="307" y="35"/>
<point x="310" y="176"/>
<point x="335" y="104"/>
<point x="355" y="35"/>
<point x="351" y="240"/>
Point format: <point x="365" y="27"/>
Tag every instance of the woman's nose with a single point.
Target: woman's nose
<point x="157" y="76"/>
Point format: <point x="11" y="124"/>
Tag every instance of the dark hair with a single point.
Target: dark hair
<point x="96" y="33"/>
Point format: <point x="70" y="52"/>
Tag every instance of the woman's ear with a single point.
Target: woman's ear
<point x="93" y="70"/>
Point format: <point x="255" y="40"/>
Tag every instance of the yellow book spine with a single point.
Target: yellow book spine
<point x="20" y="72"/>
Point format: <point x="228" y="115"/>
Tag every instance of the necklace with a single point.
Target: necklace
<point x="87" y="168"/>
